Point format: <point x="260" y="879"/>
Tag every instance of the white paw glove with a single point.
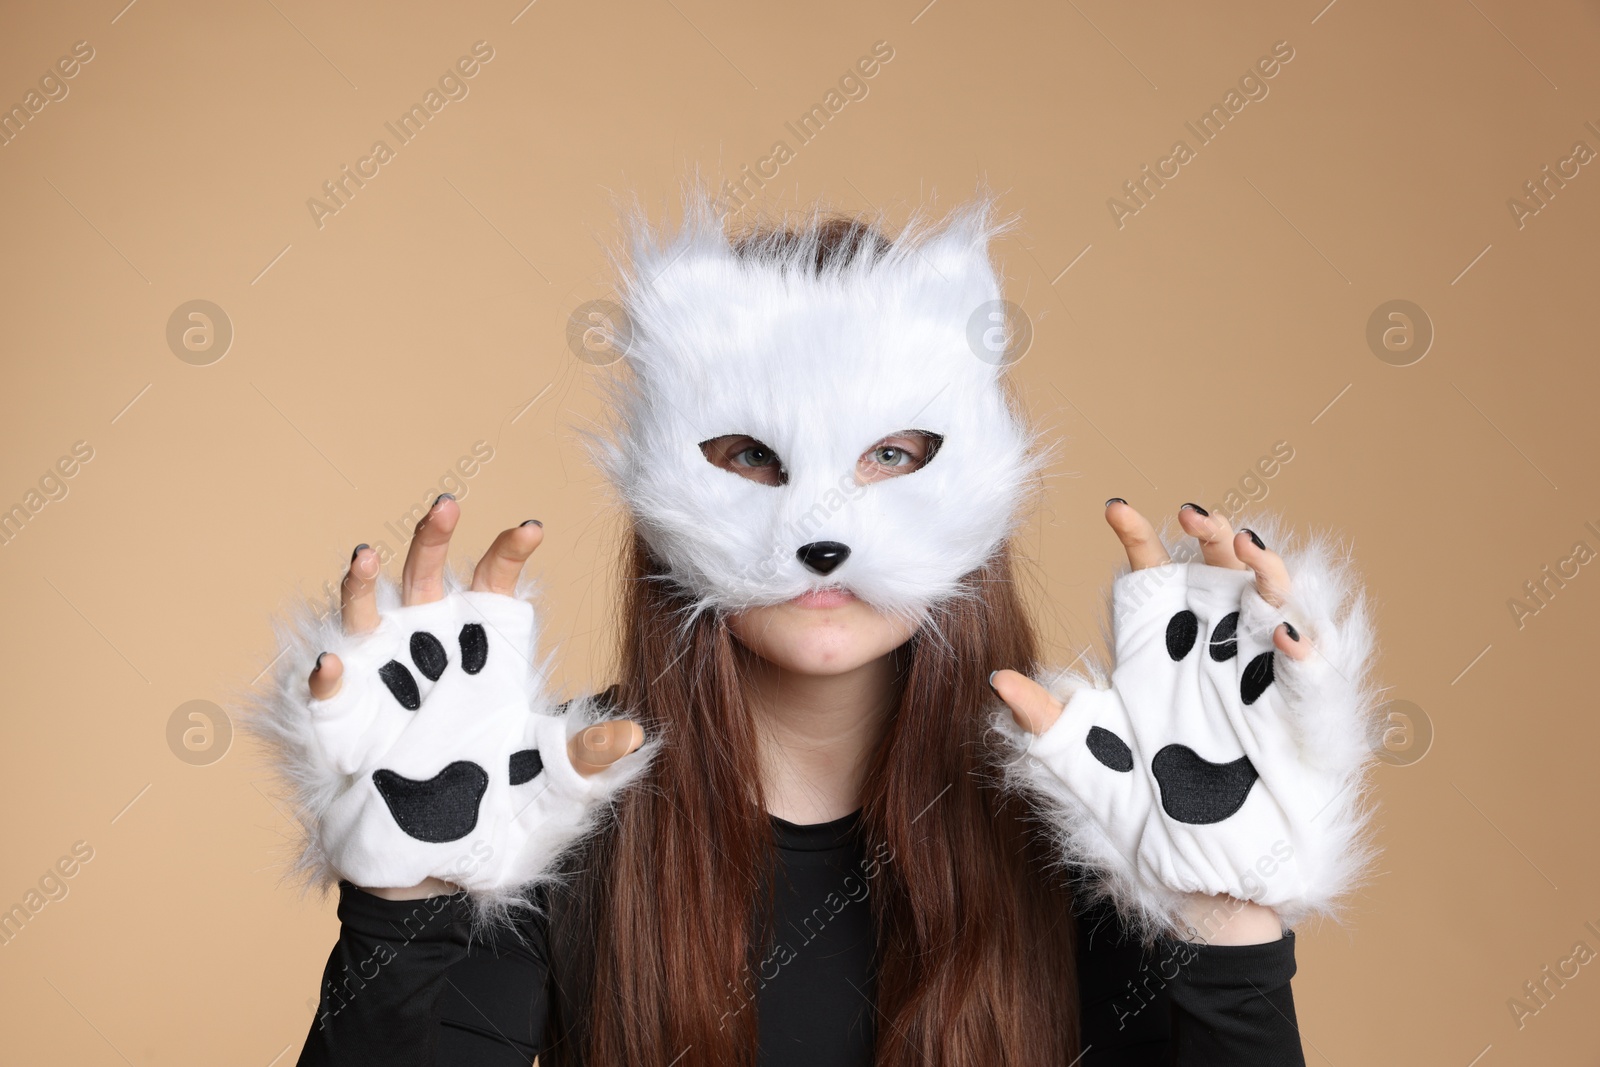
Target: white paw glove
<point x="440" y="755"/>
<point x="1213" y="763"/>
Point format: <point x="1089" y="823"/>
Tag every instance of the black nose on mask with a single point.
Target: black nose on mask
<point x="823" y="556"/>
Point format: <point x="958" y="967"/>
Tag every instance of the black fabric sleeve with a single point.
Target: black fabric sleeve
<point x="1178" y="1003"/>
<point x="493" y="1006"/>
<point x="405" y="987"/>
<point x="1232" y="1004"/>
<point x="1125" y="1006"/>
<point x="382" y="980"/>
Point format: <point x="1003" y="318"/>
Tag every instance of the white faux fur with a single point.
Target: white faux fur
<point x="1314" y="764"/>
<point x="819" y="369"/>
<point x="326" y="752"/>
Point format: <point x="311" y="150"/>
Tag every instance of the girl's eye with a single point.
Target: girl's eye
<point x="756" y="456"/>
<point x="891" y="456"/>
<point x="897" y="456"/>
<point x="747" y="457"/>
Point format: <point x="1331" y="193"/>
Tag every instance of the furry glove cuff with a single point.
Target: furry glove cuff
<point x="1211" y="763"/>
<point x="440" y="755"/>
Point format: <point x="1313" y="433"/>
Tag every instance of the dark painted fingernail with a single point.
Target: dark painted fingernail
<point x="318" y="667"/>
<point x="991" y="681"/>
<point x="443" y="497"/>
<point x="1196" y="507"/>
<point x="1288" y="628"/>
<point x="1115" y="500"/>
<point x="534" y="522"/>
<point x="1253" y="538"/>
<point x="357" y="552"/>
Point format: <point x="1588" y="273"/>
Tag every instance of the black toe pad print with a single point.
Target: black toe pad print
<point x="1183" y="629"/>
<point x="427" y="652"/>
<point x="526" y="766"/>
<point x="1196" y="791"/>
<point x="1109" y="749"/>
<point x="429" y="656"/>
<point x="402" y="683"/>
<point x="474" y="647"/>
<point x="442" y="808"/>
<point x="1257" y="676"/>
<point x="1225" y="638"/>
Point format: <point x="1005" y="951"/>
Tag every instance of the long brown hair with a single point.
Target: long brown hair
<point x="656" y="939"/>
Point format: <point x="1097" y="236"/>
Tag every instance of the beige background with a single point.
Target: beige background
<point x="429" y="314"/>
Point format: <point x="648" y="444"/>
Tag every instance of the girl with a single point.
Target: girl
<point x="800" y="828"/>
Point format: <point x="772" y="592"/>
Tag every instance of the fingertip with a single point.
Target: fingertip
<point x="325" y="675"/>
<point x="441" y="517"/>
<point x="1028" y="702"/>
<point x="1194" y="517"/>
<point x="1290" y="641"/>
<point x="1117" y="512"/>
<point x="588" y="748"/>
<point x="1001" y="677"/>
<point x="601" y="745"/>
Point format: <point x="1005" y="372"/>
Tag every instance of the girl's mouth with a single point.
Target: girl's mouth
<point x="831" y="597"/>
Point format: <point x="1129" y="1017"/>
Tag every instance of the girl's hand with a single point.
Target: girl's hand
<point x="428" y="758"/>
<point x="422" y="582"/>
<point x="1222" y="765"/>
<point x="1031" y="703"/>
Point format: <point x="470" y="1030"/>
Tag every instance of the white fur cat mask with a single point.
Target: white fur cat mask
<point x="819" y="365"/>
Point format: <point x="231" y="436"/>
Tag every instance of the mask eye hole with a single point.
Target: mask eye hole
<point x="897" y="455"/>
<point x="747" y="457"/>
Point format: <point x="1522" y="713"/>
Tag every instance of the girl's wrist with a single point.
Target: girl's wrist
<point x="432" y="887"/>
<point x="1226" y="920"/>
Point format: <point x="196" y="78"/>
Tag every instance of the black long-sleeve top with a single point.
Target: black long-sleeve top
<point x="403" y="985"/>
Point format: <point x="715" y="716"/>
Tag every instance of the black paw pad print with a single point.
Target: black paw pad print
<point x="442" y="808"/>
<point x="445" y="807"/>
<point x="428" y="653"/>
<point x="1198" y="792"/>
<point x="1193" y="789"/>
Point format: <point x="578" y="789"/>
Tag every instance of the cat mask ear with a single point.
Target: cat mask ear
<point x="818" y="340"/>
